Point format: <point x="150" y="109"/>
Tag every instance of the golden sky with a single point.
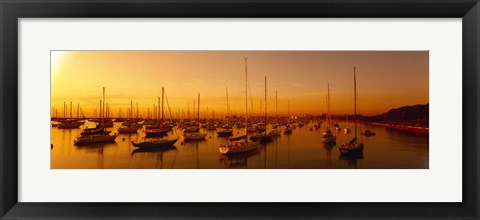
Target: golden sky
<point x="385" y="80"/>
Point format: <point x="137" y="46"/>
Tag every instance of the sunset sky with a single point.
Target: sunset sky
<point x="385" y="80"/>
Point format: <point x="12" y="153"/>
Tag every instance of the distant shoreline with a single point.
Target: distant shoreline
<point x="416" y="129"/>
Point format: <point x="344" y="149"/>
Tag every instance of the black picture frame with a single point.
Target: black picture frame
<point x="12" y="10"/>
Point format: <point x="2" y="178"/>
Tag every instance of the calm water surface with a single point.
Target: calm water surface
<point x="302" y="149"/>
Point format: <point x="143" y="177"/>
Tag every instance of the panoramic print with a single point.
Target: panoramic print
<point x="239" y="110"/>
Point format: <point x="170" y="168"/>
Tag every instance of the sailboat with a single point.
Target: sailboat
<point x="99" y="137"/>
<point x="155" y="143"/>
<point x="70" y="123"/>
<point x="226" y="130"/>
<point x="90" y="131"/>
<point x="245" y="146"/>
<point x="133" y="128"/>
<point x="159" y="131"/>
<point x="275" y="132"/>
<point x="353" y="147"/>
<point x="130" y="126"/>
<point x="149" y="143"/>
<point x="288" y="128"/>
<point x="263" y="138"/>
<point x="327" y="136"/>
<point x="368" y="133"/>
<point x="196" y="135"/>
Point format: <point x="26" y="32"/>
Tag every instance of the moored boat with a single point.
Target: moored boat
<point x="368" y="133"/>
<point x="90" y="131"/>
<point x="238" y="147"/>
<point x="128" y="129"/>
<point x="70" y="124"/>
<point x="274" y="133"/>
<point x="242" y="137"/>
<point x="155" y="143"/>
<point x="156" y="133"/>
<point x="328" y="137"/>
<point x="246" y="146"/>
<point x="194" y="136"/>
<point x="94" y="138"/>
<point x="104" y="136"/>
<point x="288" y="130"/>
<point x="353" y="147"/>
<point x="224" y="132"/>
<point x="262" y="138"/>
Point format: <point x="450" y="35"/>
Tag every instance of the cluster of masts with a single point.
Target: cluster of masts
<point x="238" y="144"/>
<point x="136" y="112"/>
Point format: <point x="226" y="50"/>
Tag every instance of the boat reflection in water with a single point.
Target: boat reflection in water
<point x="156" y="154"/>
<point x="154" y="150"/>
<point x="351" y="159"/>
<point x="303" y="149"/>
<point x="239" y="160"/>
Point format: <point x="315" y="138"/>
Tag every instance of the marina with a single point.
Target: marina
<point x="303" y="149"/>
<point x="213" y="133"/>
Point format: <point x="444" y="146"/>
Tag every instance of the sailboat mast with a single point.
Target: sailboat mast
<point x="265" y="99"/>
<point x="355" y="99"/>
<point x="198" y="108"/>
<point x="131" y="110"/>
<point x="100" y="108"/>
<point x="276" y="105"/>
<point x="157" y="108"/>
<point x="289" y="109"/>
<point x="246" y="98"/>
<point x="328" y="104"/>
<point x="228" y="106"/>
<point x="103" y="104"/>
<point x="163" y="95"/>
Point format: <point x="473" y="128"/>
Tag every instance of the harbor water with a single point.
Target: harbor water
<point x="303" y="149"/>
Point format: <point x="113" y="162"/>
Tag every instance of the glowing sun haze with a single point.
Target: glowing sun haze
<point x="385" y="80"/>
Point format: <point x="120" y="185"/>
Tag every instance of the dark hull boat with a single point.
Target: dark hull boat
<point x="328" y="137"/>
<point x="155" y="143"/>
<point x="368" y="133"/>
<point x="261" y="129"/>
<point x="191" y="129"/>
<point x="70" y="124"/>
<point x="352" y="147"/>
<point x="274" y="133"/>
<point x="225" y="133"/>
<point x="91" y="131"/>
<point x="262" y="138"/>
<point x="95" y="138"/>
<point x="211" y="128"/>
<point x="288" y="130"/>
<point x="238" y="138"/>
<point x="155" y="133"/>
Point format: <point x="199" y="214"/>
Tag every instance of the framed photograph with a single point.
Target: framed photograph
<point x="180" y="109"/>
